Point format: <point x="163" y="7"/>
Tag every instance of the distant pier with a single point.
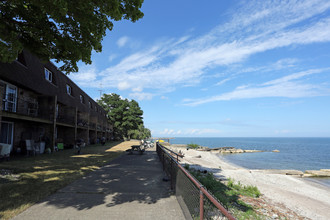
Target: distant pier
<point x="163" y="138"/>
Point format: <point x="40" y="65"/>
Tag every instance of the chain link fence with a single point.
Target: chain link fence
<point x="196" y="202"/>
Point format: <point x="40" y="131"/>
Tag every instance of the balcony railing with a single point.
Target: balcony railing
<point x="82" y="123"/>
<point x="66" y="119"/>
<point x="92" y="125"/>
<point x="26" y="107"/>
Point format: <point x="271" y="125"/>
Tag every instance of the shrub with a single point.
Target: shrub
<point x="228" y="194"/>
<point x="193" y="146"/>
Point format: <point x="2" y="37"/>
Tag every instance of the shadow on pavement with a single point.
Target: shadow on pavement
<point x="127" y="179"/>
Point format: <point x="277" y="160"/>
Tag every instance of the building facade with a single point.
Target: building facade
<point x="40" y="103"/>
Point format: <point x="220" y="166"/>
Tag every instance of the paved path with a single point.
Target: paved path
<point x="130" y="187"/>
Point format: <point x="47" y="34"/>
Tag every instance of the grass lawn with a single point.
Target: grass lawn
<point x="26" y="180"/>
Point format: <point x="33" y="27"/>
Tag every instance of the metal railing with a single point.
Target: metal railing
<point x="28" y="107"/>
<point x="195" y="201"/>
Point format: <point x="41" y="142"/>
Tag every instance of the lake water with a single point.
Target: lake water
<point x="295" y="153"/>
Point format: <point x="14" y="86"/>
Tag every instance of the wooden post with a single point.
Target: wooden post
<point x="75" y="125"/>
<point x="96" y="122"/>
<point x="1" y="96"/>
<point x="54" y="125"/>
<point x="88" y="120"/>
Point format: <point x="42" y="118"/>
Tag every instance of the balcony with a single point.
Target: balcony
<point x="65" y="119"/>
<point x="92" y="126"/>
<point x="65" y="115"/>
<point x="82" y="123"/>
<point x="27" y="108"/>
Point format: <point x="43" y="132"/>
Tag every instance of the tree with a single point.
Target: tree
<point x="125" y="115"/>
<point x="132" y="117"/>
<point x="141" y="133"/>
<point x="64" y="30"/>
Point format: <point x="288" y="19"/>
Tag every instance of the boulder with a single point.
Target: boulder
<point x="294" y="172"/>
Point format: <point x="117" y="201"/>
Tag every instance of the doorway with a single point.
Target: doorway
<point x="7" y="132"/>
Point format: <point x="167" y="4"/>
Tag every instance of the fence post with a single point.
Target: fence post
<point x="201" y="205"/>
<point x="163" y="160"/>
<point x="171" y="175"/>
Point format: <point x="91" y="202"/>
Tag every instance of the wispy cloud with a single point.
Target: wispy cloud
<point x="141" y="96"/>
<point x="192" y="131"/>
<point x="191" y="123"/>
<point x="287" y="86"/>
<point x="85" y="76"/>
<point x="121" y="42"/>
<point x="255" y="27"/>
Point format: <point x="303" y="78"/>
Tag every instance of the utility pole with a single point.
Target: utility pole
<point x="100" y="90"/>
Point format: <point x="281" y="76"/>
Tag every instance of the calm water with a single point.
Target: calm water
<point x="295" y="153"/>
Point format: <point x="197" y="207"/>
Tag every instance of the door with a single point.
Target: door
<point x="6" y="133"/>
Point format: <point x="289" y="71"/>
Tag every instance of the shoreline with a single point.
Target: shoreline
<point x="306" y="198"/>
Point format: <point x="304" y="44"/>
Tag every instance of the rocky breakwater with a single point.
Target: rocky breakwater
<point x="317" y="173"/>
<point x="231" y="150"/>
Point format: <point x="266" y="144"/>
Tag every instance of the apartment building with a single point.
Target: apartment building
<point x="41" y="103"/>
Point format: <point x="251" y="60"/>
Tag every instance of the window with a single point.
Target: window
<point x="82" y="99"/>
<point x="68" y="89"/>
<point x="10" y="96"/>
<point x="95" y="108"/>
<point x="90" y="104"/>
<point x="48" y="75"/>
<point x="21" y="59"/>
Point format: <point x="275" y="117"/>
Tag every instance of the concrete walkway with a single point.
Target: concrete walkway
<point x="130" y="187"/>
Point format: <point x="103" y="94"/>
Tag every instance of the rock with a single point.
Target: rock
<point x="199" y="156"/>
<point x="326" y="170"/>
<point x="238" y="151"/>
<point x="252" y="151"/>
<point x="317" y="173"/>
<point x="286" y="172"/>
<point x="276" y="151"/>
<point x="294" y="172"/>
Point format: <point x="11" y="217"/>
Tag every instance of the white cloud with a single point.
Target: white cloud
<point x="295" y="76"/>
<point x="141" y="96"/>
<point x="122" y="41"/>
<point x="112" y="57"/>
<point x="281" y="87"/>
<point x="193" y="131"/>
<point x="223" y="81"/>
<point x="123" y="85"/>
<point x="256" y="27"/>
<point x="85" y="76"/>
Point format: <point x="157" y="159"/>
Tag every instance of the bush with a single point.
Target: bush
<point x="239" y="189"/>
<point x="228" y="195"/>
<point x="193" y="146"/>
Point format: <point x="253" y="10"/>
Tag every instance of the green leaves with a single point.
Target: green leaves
<point x="126" y="117"/>
<point x="62" y="29"/>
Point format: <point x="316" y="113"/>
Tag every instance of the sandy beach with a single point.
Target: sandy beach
<point x="307" y="200"/>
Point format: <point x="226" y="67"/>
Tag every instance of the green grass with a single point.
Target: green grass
<point x="229" y="194"/>
<point x="239" y="189"/>
<point x="193" y="146"/>
<point x="34" y="178"/>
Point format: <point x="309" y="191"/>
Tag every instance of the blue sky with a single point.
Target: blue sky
<point x="221" y="68"/>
